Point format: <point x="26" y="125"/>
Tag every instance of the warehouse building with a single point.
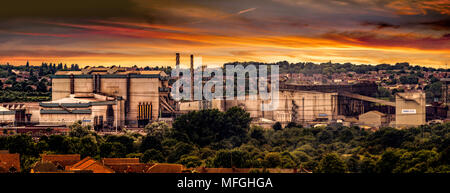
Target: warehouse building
<point x="112" y="97"/>
<point x="410" y="109"/>
<point x="7" y="117"/>
<point x="374" y="119"/>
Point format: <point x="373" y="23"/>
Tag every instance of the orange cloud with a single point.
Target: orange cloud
<point x="404" y="7"/>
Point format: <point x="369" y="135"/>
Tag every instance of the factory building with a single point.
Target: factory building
<point x="316" y="104"/>
<point x="7" y="117"/>
<point x="294" y="106"/>
<point x="374" y="119"/>
<point x="112" y="97"/>
<point x="18" y="114"/>
<point x="410" y="109"/>
<point x="96" y="110"/>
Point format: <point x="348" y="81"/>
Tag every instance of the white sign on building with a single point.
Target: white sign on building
<point x="408" y="111"/>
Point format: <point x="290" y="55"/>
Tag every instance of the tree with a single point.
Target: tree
<point x="112" y="150"/>
<point x="410" y="79"/>
<point x="233" y="158"/>
<point x="257" y="133"/>
<point x="201" y="127"/>
<point x="331" y="163"/>
<point x="77" y="130"/>
<point x="353" y="164"/>
<point x="272" y="160"/>
<point x="179" y="150"/>
<point x="22" y="144"/>
<point x="158" y="129"/>
<point x="293" y="124"/>
<point x="237" y="121"/>
<point x="59" y="144"/>
<point x="150" y="142"/>
<point x="433" y="91"/>
<point x="277" y="126"/>
<point x="417" y="162"/>
<point x="190" y="161"/>
<point x="287" y="160"/>
<point x="367" y="165"/>
<point x="88" y="146"/>
<point x="125" y="140"/>
<point x="207" y="126"/>
<point x="325" y="136"/>
<point x="386" y="137"/>
<point x="346" y="135"/>
<point x="41" y="87"/>
<point x="152" y="155"/>
<point x="388" y="161"/>
<point x="383" y="92"/>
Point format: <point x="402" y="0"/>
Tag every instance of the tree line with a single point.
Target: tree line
<point x="329" y="68"/>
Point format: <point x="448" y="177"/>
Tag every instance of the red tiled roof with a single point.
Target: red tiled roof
<point x="222" y="170"/>
<point x="126" y="165"/>
<point x="44" y="167"/>
<point x="10" y="160"/>
<point x="89" y="164"/>
<point x="242" y="170"/>
<point x="107" y="161"/>
<point x="62" y="159"/>
<point x="130" y="168"/>
<point x="165" y="168"/>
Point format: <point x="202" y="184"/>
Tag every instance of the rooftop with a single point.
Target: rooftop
<point x="61" y="159"/>
<point x="110" y="71"/>
<point x="7" y="161"/>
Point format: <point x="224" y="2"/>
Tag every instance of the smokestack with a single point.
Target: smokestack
<point x="177" y="60"/>
<point x="192" y="77"/>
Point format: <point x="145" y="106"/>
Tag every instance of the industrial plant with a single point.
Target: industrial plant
<point x="114" y="98"/>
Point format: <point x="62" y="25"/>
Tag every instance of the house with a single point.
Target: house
<point x="166" y="168"/>
<point x="126" y="165"/>
<point x="45" y="167"/>
<point x="61" y="161"/>
<point x="221" y="170"/>
<point x="9" y="163"/>
<point x="249" y="170"/>
<point x="112" y="161"/>
<point x="374" y="119"/>
<point x="89" y="164"/>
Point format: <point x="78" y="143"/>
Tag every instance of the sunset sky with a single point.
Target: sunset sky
<point x="150" y="32"/>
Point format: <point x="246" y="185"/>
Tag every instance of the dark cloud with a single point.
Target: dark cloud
<point x="386" y="40"/>
<point x="69" y="9"/>
<point x="55" y="53"/>
<point x="443" y="24"/>
<point x="380" y="25"/>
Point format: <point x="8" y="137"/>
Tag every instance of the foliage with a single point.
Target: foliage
<point x="332" y="149"/>
<point x="158" y="129"/>
<point x="277" y="126"/>
<point x="152" y="155"/>
<point x="209" y="126"/>
<point x="331" y="163"/>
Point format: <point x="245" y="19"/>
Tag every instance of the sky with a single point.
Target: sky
<point x="150" y="32"/>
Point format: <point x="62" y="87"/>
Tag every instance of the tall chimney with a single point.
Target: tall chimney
<point x="192" y="77"/>
<point x="177" y="60"/>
